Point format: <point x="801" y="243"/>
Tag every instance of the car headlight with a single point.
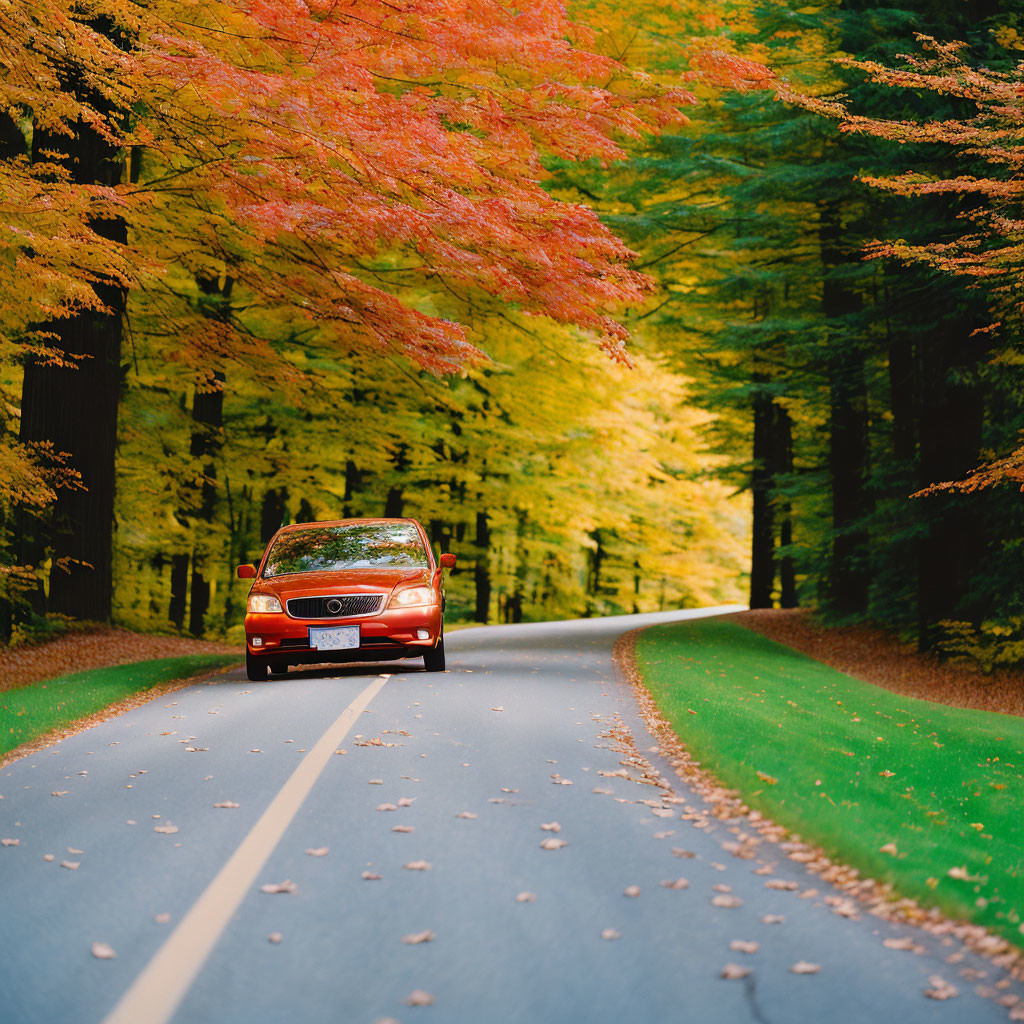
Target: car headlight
<point x="264" y="603"/>
<point x="413" y="596"/>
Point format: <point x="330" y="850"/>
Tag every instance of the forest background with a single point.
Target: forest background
<point x="829" y="324"/>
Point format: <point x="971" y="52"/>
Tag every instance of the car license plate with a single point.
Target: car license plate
<point x="333" y="638"/>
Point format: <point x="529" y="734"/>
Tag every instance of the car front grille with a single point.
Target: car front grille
<point x="348" y="605"/>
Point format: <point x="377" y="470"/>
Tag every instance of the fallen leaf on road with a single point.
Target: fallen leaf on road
<point x="406" y="801"/>
<point x="387" y="807"/>
<point x="905" y="942"/>
<point x="48" y="857"/>
<point x="734" y="971"/>
<point x="418" y="865"/>
<point x="402" y="828"/>
<point x="552" y="844"/>
<point x="102" y="951"/>
<point x="778" y="883"/>
<point x="632" y="891"/>
<point x="559" y="781"/>
<point x="418" y="998"/>
<point x="468" y="815"/>
<point x="275" y="937"/>
<point x="255" y="750"/>
<point x="726" y="900"/>
<point x="287" y="886"/>
<point x="167" y="830"/>
<point x="525" y="897"/>
<point x="663" y="835"/>
<point x="376" y="782"/>
<point x="803" y="967"/>
<point x="808" y="894"/>
<point x="416" y="938"/>
<point x="59" y="792"/>
<point x="619" y="773"/>
<point x="678" y="883"/>
<point x="10" y="842"/>
<point x="721" y="888"/>
<point x="369" y="876"/>
<point x="601" y="791"/>
<point x="743" y="946"/>
<point x="498" y="708"/>
<point x="226" y="803"/>
<point x="685" y="854"/>
<point x="505" y="789"/>
<point x="161" y="918"/>
<point x="773" y="919"/>
<point x="940" y="988"/>
<point x="319" y="851"/>
<point x="549" y="826"/>
<point x="71" y="865"/>
<point x="610" y="933"/>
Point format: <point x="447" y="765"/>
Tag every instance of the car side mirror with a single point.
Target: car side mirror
<point x="247" y="572"/>
<point x="447" y="561"/>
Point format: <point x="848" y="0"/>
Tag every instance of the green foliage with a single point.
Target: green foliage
<point x="852" y="767"/>
<point x="984" y="646"/>
<point x="37" y="629"/>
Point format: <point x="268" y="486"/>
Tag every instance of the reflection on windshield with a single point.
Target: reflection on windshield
<point x="356" y="546"/>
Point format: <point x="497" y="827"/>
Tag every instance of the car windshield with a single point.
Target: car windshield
<point x="352" y="546"/>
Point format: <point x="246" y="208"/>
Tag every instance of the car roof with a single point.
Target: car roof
<point x="347" y="522"/>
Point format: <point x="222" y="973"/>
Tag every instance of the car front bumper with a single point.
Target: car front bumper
<point x="390" y="633"/>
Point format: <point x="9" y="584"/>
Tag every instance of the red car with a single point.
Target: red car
<point x="349" y="590"/>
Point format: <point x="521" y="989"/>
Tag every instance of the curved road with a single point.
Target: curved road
<point x="521" y="710"/>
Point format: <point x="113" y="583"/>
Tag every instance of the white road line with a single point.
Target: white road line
<point x="157" y="992"/>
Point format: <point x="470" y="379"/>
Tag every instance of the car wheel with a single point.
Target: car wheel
<point x="255" y="668"/>
<point x="433" y="661"/>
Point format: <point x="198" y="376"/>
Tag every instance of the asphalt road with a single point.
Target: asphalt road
<point x="521" y="708"/>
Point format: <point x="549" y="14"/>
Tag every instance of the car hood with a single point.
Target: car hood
<point x="345" y="581"/>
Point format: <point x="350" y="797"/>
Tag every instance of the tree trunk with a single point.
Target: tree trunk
<point x="950" y="438"/>
<point x="75" y="409"/>
<point x="849" y="571"/>
<point x="272" y="513"/>
<point x="394" y="504"/>
<point x="179" y="587"/>
<point x="762" y="552"/>
<point x="482" y="570"/>
<point x="784" y="465"/>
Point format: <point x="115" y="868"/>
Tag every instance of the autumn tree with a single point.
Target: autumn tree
<point x="312" y="149"/>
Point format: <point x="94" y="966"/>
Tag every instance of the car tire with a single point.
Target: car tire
<point x="433" y="661"/>
<point x="256" y="668"/>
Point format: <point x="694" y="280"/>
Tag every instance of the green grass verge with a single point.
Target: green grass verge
<point x="35" y="709"/>
<point x="852" y="767"/>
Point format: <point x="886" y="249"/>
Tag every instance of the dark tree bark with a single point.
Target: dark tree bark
<point x="74" y="406"/>
<point x="205" y="443"/>
<point x="272" y="513"/>
<point x="482" y="570"/>
<point x="394" y="504"/>
<point x="849" y="571"/>
<point x="179" y="588"/>
<point x="950" y="438"/>
<point x="762" y="552"/>
<point x="784" y="465"/>
<point x="76" y="409"/>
